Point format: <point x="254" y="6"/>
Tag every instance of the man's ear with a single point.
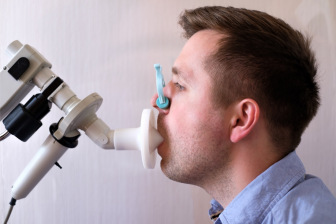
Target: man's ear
<point x="245" y="117"/>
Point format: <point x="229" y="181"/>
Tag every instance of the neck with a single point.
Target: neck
<point x="242" y="168"/>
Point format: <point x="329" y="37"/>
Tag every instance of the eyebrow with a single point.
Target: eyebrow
<point x="182" y="75"/>
<point x="175" y="71"/>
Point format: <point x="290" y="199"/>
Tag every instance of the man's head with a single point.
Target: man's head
<point x="193" y="129"/>
<point x="236" y="65"/>
<point x="262" y="58"/>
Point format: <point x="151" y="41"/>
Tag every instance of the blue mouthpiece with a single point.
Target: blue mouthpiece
<point x="162" y="101"/>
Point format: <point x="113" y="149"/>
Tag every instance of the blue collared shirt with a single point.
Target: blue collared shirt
<point x="281" y="194"/>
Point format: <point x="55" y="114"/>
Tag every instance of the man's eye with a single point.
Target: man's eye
<point x="178" y="86"/>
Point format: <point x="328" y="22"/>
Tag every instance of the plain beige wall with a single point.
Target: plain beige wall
<point x="109" y="47"/>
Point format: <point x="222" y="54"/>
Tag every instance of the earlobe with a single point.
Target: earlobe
<point x="246" y="115"/>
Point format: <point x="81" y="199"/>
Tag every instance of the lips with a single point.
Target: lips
<point x="162" y="130"/>
<point x="160" y="147"/>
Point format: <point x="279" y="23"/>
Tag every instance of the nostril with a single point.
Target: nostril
<point x="162" y="111"/>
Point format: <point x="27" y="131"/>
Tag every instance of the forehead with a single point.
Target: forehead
<point x="190" y="64"/>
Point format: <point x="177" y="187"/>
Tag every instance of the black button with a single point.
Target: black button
<point x="19" y="68"/>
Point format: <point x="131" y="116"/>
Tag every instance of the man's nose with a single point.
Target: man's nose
<point x="166" y="93"/>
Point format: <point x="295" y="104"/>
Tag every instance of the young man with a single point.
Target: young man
<point x="243" y="91"/>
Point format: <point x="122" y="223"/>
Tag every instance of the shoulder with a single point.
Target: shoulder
<point x="308" y="202"/>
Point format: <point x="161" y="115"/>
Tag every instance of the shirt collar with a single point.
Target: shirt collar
<point x="253" y="203"/>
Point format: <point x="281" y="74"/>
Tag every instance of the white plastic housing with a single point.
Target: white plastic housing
<point x="13" y="91"/>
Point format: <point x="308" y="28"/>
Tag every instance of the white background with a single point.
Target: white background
<point x="109" y="47"/>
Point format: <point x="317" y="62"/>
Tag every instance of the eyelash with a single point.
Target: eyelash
<point x="177" y="85"/>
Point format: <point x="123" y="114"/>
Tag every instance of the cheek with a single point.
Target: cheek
<point x="177" y="122"/>
<point x="183" y="118"/>
<point x="191" y="115"/>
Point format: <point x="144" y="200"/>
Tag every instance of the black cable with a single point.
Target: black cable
<point x="12" y="203"/>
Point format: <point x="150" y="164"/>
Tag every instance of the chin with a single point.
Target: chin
<point x="172" y="174"/>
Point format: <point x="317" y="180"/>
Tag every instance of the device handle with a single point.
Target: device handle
<point x="46" y="157"/>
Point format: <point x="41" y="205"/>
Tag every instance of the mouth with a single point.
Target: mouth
<point x="162" y="146"/>
<point x="159" y="147"/>
<point x="162" y="131"/>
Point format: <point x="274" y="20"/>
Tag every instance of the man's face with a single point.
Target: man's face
<point x="195" y="133"/>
